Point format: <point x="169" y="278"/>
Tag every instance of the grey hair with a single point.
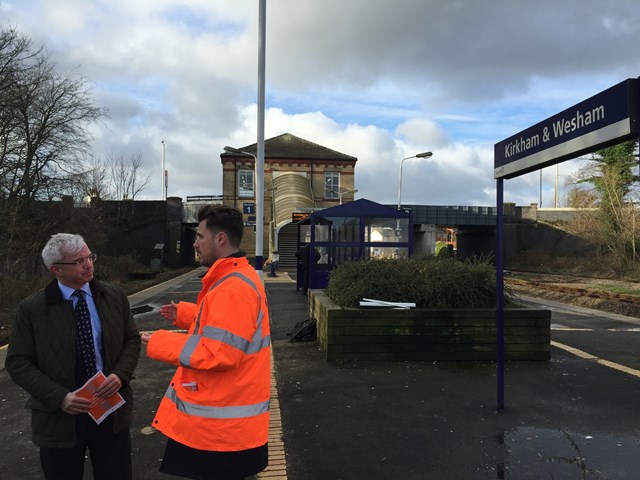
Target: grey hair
<point x="59" y="245"/>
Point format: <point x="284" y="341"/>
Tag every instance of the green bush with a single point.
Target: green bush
<point x="444" y="249"/>
<point x="429" y="282"/>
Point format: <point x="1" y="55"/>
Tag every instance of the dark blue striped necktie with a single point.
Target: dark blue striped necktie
<point x="84" y="335"/>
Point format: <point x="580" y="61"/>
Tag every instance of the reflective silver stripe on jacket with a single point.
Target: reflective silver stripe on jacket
<point x="256" y="344"/>
<point x="188" y="349"/>
<point x="240" y="411"/>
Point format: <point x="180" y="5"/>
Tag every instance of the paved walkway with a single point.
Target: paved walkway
<point x="569" y="418"/>
<point x="277" y="469"/>
<point x="19" y="456"/>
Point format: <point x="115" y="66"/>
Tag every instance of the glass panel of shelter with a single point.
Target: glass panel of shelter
<point x="386" y="230"/>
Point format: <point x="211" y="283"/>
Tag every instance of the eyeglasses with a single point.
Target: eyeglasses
<point x="81" y="261"/>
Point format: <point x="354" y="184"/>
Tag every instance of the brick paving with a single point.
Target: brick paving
<point x="277" y="468"/>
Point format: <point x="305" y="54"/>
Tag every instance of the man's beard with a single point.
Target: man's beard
<point x="205" y="262"/>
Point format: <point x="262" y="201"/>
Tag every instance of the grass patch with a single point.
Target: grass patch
<point x="619" y="290"/>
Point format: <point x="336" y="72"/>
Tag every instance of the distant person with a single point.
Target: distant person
<point x="304" y="256"/>
<point x="272" y="263"/>
<point x="61" y="337"/>
<point x="216" y="409"/>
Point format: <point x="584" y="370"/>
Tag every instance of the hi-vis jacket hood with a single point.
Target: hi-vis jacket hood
<point x="218" y="399"/>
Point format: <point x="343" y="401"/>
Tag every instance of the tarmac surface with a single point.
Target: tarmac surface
<point x="570" y="418"/>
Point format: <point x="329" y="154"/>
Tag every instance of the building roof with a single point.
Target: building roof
<point x="290" y="146"/>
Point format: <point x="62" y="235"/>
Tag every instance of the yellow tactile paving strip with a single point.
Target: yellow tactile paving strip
<point x="277" y="468"/>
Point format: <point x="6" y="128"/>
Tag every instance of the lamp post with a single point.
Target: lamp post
<point x="343" y="192"/>
<point x="555" y="192"/>
<point x="162" y="185"/>
<point x="419" y="155"/>
<point x="262" y="46"/>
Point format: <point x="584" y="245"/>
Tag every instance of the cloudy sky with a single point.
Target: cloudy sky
<point x="378" y="80"/>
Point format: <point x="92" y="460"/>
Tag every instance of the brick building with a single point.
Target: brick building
<point x="299" y="176"/>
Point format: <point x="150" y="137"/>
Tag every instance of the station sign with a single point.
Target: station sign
<point x="609" y="117"/>
<point x="249" y="208"/>
<point x="249" y="214"/>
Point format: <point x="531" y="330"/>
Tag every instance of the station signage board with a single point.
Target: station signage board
<point x="609" y="117"/>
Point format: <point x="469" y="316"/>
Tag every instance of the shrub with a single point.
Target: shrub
<point x="429" y="282"/>
<point x="115" y="269"/>
<point x="444" y="249"/>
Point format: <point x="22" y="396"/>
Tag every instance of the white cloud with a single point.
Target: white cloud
<point x="376" y="80"/>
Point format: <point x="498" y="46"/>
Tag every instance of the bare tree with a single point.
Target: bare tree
<point x="45" y="122"/>
<point x="126" y="176"/>
<point x="44" y="136"/>
<point x="16" y="56"/>
<point x="581" y="197"/>
<point x="92" y="182"/>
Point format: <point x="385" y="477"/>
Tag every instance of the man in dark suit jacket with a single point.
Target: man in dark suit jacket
<point x="47" y="359"/>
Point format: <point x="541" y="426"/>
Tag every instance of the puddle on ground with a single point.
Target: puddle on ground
<point x="137" y="310"/>
<point x="538" y="453"/>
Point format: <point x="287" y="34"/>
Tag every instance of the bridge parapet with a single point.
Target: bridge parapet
<point x="452" y="215"/>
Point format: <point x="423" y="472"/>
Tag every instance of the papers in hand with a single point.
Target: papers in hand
<point x="370" y="302"/>
<point x="101" y="408"/>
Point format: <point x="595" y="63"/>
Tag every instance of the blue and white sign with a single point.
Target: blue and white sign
<point x="249" y="208"/>
<point x="609" y="117"/>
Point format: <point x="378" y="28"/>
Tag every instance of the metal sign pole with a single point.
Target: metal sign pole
<point x="500" y="293"/>
<point x="260" y="144"/>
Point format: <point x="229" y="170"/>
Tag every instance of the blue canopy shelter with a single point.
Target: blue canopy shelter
<point x="358" y="230"/>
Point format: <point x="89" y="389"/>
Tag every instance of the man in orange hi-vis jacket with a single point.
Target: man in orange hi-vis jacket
<point x="216" y="409"/>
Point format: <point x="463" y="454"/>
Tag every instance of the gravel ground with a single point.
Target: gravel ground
<point x="594" y="284"/>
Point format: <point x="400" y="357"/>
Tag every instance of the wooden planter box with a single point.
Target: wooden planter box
<point x="427" y="334"/>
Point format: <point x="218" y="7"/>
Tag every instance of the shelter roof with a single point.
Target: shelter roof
<point x="361" y="208"/>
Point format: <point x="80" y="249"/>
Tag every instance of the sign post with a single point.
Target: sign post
<point x="605" y="119"/>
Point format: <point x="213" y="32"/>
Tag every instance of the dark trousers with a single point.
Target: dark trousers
<point x="110" y="453"/>
<point x="184" y="461"/>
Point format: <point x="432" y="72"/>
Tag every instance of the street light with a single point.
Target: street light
<point x="163" y="184"/>
<point x="343" y="192"/>
<point x="419" y="155"/>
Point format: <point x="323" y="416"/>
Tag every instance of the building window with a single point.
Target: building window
<point x="332" y="185"/>
<point x="245" y="183"/>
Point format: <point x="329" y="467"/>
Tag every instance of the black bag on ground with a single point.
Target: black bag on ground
<point x="303" y="331"/>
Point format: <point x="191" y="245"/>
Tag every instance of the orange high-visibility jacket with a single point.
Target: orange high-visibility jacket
<point x="218" y="399"/>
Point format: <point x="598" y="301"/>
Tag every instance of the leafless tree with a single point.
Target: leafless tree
<point x="44" y="137"/>
<point x="582" y="197"/>
<point x="45" y="122"/>
<point x="126" y="176"/>
<point x="93" y="182"/>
